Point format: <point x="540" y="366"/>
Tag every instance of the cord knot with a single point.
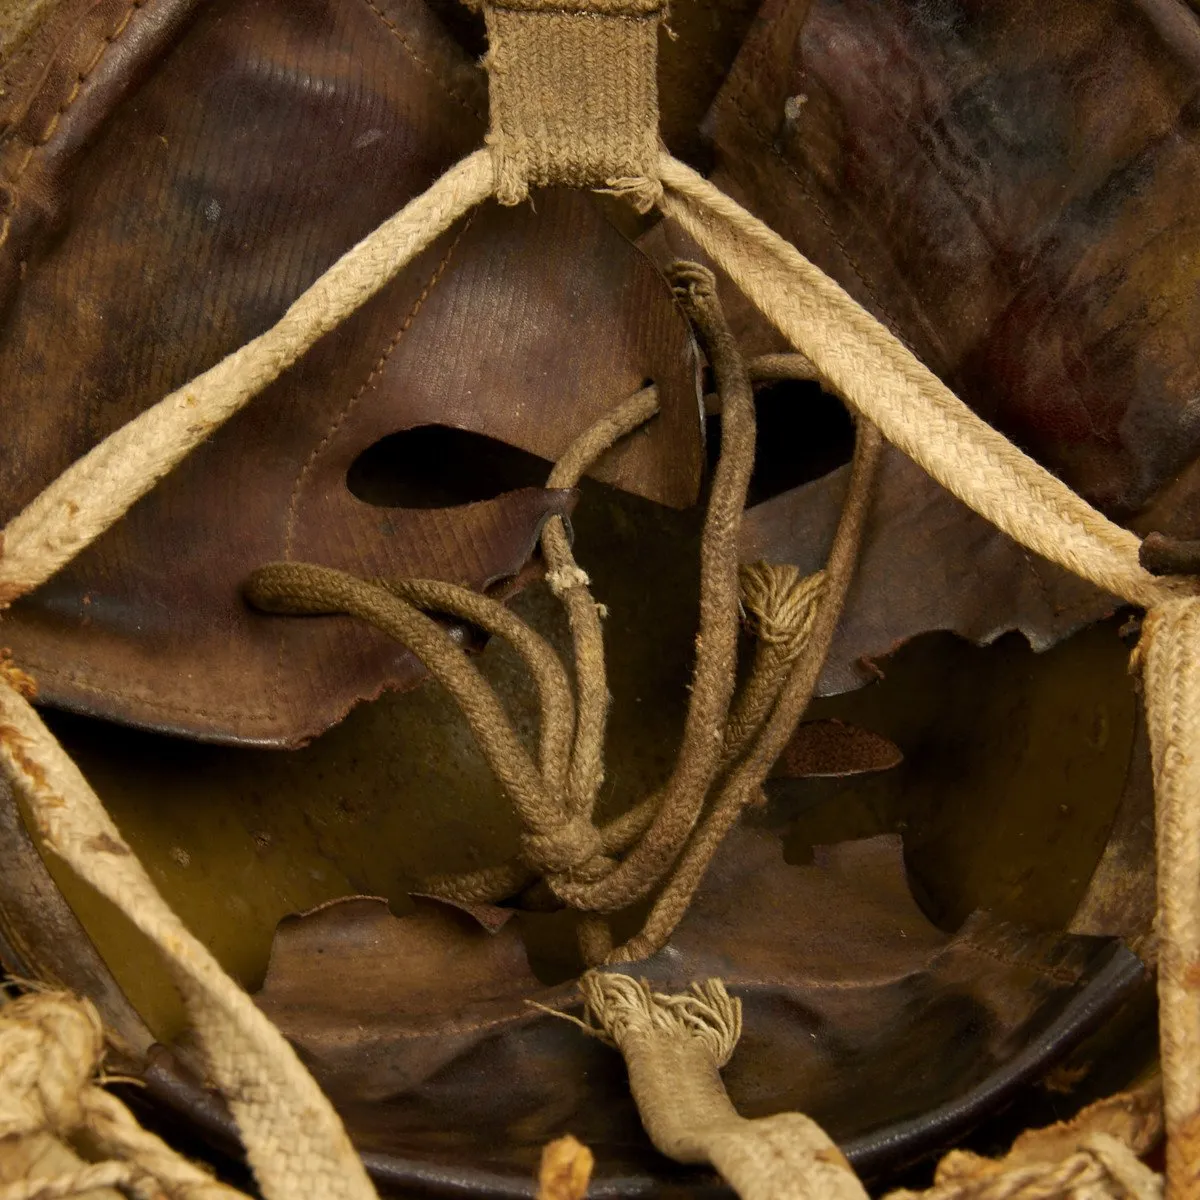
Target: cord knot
<point x="781" y="604"/>
<point x="566" y="577"/>
<point x="50" y="1044"/>
<point x="692" y="279"/>
<point x="565" y="848"/>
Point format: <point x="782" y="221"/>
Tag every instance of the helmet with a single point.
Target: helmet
<point x="939" y="902"/>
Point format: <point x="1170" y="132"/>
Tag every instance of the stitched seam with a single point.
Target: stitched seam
<point x="264" y="711"/>
<point x="55" y="120"/>
<point x="1042" y="586"/>
<point x="45" y="75"/>
<point x="634" y="18"/>
<point x="420" y="62"/>
<point x="380" y="363"/>
<point x="12" y="69"/>
<point x="519" y="1019"/>
<point x="1063" y="975"/>
<point x="810" y="986"/>
<point x="270" y="712"/>
<point x="1085" y="604"/>
<point x="754" y="69"/>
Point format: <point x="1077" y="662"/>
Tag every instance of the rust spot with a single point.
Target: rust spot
<point x="72" y="509"/>
<point x="16" y="743"/>
<point x="832" y="749"/>
<point x="1191" y="976"/>
<point x="20" y="681"/>
<point x="104" y="843"/>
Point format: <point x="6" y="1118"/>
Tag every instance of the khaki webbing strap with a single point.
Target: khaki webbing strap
<point x="574" y="95"/>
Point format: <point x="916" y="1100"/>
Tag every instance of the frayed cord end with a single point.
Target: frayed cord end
<point x="618" y="1008"/>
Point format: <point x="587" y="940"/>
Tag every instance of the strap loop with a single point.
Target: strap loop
<point x="574" y="96"/>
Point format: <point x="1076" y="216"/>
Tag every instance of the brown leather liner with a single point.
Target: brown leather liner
<point x="42" y="939"/>
<point x="898" y="1038"/>
<point x="1010" y="186"/>
<point x="189" y="190"/>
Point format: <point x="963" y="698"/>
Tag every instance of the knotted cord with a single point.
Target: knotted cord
<point x="727" y="748"/>
<point x="563" y="111"/>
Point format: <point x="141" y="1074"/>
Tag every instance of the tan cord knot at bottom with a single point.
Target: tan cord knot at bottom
<point x="620" y="1009"/>
<point x="573" y="95"/>
<point x="674" y="1047"/>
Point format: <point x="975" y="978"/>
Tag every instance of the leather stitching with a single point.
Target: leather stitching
<point x="338" y="421"/>
<point x="752" y="127"/>
<point x="149" y="701"/>
<point x="56" y="119"/>
<point x="420" y="62"/>
<point x="146" y="699"/>
<point x="350" y="405"/>
<point x="154" y="705"/>
<point x="755" y="69"/>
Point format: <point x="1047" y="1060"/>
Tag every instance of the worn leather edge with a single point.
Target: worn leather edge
<point x="66" y="956"/>
<point x="889" y="1149"/>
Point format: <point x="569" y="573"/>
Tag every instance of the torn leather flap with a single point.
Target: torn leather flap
<point x="170" y="215"/>
<point x="1010" y="187"/>
<point x="927" y="562"/>
<point x="892" y="1034"/>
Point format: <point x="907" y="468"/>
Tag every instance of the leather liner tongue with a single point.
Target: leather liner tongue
<point x="189" y="209"/>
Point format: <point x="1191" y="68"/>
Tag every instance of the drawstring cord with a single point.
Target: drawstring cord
<point x="729" y="744"/>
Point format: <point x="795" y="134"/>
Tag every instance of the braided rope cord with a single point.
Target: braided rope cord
<point x="727" y="748"/>
<point x="295" y="1142"/>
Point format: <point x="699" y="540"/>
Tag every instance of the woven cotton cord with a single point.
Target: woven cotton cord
<point x="854" y="357"/>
